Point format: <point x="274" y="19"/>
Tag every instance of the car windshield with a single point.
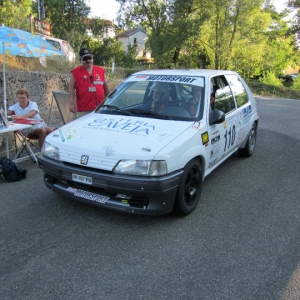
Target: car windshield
<point x="176" y="98"/>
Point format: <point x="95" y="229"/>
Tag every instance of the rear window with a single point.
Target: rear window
<point x="238" y="90"/>
<point x="54" y="43"/>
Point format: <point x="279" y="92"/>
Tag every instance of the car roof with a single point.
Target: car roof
<point x="191" y="72"/>
<point x="55" y="39"/>
<point x="51" y="38"/>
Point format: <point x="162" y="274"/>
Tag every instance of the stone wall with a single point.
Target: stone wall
<point x="40" y="86"/>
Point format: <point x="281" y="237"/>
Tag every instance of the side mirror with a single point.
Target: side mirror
<point x="216" y="117"/>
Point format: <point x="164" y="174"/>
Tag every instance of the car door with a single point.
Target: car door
<point x="243" y="105"/>
<point x="223" y="135"/>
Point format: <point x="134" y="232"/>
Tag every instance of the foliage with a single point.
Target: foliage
<point x="296" y="83"/>
<point x="263" y="89"/>
<point x="15" y="13"/>
<point x="66" y="18"/>
<point x="106" y="51"/>
<point x="271" y="79"/>
<point x="248" y="36"/>
<point x="164" y="21"/>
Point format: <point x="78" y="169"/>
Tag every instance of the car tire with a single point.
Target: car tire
<point x="248" y="150"/>
<point x="189" y="190"/>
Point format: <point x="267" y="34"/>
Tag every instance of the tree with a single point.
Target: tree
<point x="15" y="13"/>
<point x="66" y="18"/>
<point x="106" y="51"/>
<point x="167" y="22"/>
<point x="295" y="5"/>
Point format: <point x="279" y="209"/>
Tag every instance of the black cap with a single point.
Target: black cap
<point x="85" y="52"/>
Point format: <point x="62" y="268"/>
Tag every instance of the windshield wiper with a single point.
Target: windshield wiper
<point x="115" y="109"/>
<point x="148" y="113"/>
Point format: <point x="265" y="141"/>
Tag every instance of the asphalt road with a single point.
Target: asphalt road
<point x="242" y="242"/>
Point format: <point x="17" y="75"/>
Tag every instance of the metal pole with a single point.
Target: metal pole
<point x="39" y="9"/>
<point x="4" y="81"/>
<point x="113" y="66"/>
<point x="4" y="99"/>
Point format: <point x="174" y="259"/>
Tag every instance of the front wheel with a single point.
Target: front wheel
<point x="189" y="190"/>
<point x="248" y="150"/>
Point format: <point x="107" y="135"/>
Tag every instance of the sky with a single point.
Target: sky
<point x="107" y="9"/>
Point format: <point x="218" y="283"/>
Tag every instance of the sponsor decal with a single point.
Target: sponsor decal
<point x="195" y="80"/>
<point x="90" y="196"/>
<point x="196" y="125"/>
<point x="214" y="154"/>
<point x="205" y="137"/>
<point x="109" y="151"/>
<point x="246" y="112"/>
<point x="230" y="119"/>
<point x="215" y="139"/>
<point x="61" y="135"/>
<point x="163" y="136"/>
<point x="123" y="126"/>
<point x="67" y="133"/>
<point x="141" y="76"/>
<point x="170" y="78"/>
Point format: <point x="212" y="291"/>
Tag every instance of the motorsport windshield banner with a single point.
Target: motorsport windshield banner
<point x="169" y="78"/>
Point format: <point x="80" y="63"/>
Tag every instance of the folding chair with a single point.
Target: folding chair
<point x="62" y="102"/>
<point x="27" y="143"/>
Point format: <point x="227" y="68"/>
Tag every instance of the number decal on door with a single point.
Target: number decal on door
<point x="229" y="137"/>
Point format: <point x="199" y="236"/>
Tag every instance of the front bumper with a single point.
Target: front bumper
<point x="126" y="193"/>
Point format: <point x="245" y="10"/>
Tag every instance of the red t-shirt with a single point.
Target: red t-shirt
<point x="89" y="89"/>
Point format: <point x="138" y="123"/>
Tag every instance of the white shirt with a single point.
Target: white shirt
<point x="23" y="111"/>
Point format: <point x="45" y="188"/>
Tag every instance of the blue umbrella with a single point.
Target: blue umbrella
<point x="17" y="42"/>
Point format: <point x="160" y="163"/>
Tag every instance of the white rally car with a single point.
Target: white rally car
<point x="149" y="146"/>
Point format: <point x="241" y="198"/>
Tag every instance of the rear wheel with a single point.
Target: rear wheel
<point x="248" y="150"/>
<point x="189" y="190"/>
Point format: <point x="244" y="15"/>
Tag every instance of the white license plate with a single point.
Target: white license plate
<point x="82" y="179"/>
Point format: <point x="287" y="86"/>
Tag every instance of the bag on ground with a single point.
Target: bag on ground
<point x="10" y="171"/>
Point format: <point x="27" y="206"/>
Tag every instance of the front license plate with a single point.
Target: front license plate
<point x="82" y="179"/>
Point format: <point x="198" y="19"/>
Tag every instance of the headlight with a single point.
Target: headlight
<point x="141" y="167"/>
<point x="50" y="151"/>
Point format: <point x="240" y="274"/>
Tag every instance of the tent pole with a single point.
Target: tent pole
<point x="4" y="82"/>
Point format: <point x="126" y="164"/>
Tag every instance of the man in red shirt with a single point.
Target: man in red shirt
<point x="90" y="83"/>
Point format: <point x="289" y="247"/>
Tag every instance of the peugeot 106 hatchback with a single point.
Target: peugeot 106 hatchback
<point x="149" y="146"/>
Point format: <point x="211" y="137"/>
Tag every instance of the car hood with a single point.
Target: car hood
<point x="109" y="138"/>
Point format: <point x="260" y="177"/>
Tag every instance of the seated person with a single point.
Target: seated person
<point x="160" y="97"/>
<point x="192" y="105"/>
<point x="25" y="108"/>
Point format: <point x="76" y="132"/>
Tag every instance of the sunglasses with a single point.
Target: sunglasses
<point x="87" y="58"/>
